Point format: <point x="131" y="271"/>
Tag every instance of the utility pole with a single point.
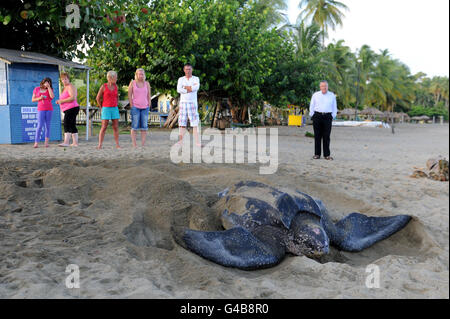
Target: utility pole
<point x="357" y="87"/>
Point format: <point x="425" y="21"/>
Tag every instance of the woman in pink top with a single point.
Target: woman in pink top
<point x="139" y="96"/>
<point x="69" y="105"/>
<point x="43" y="95"/>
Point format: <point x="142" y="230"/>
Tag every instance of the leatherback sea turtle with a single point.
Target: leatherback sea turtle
<point x="263" y="223"/>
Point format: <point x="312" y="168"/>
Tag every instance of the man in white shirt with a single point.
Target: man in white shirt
<point x="323" y="110"/>
<point x="188" y="86"/>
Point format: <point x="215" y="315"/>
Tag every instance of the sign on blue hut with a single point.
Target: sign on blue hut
<point x="20" y="73"/>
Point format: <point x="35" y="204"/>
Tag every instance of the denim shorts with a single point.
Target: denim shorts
<point x="110" y="113"/>
<point x="139" y="119"/>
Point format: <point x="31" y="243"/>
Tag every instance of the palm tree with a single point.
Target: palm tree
<point x="423" y="95"/>
<point x="338" y="69"/>
<point x="431" y="91"/>
<point x="274" y="7"/>
<point x="445" y="91"/>
<point x="365" y="61"/>
<point x="306" y="39"/>
<point x="391" y="84"/>
<point x="326" y="13"/>
<point x="439" y="89"/>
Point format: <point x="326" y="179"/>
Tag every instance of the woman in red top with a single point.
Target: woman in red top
<point x="107" y="101"/>
<point x="43" y="95"/>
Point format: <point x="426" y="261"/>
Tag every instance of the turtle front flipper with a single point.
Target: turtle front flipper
<point x="235" y="247"/>
<point x="357" y="232"/>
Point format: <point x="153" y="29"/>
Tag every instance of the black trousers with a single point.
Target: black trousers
<point x="322" y="124"/>
<point x="70" y="120"/>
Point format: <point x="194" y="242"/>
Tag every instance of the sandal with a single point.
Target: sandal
<point x="316" y="157"/>
<point x="329" y="158"/>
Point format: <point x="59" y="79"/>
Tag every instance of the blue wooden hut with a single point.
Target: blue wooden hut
<point x="20" y="73"/>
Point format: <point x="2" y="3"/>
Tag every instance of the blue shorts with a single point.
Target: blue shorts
<point x="139" y="119"/>
<point x="110" y="113"/>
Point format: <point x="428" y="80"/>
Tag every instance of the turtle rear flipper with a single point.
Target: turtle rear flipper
<point x="235" y="247"/>
<point x="357" y="232"/>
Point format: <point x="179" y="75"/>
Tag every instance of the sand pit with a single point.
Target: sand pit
<point x="111" y="211"/>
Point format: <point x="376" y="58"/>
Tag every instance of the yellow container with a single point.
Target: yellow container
<point x="295" y="120"/>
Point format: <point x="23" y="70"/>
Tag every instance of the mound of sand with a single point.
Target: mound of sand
<point x="111" y="212"/>
<point x="114" y="220"/>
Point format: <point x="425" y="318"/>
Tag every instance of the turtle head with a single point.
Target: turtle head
<point x="307" y="237"/>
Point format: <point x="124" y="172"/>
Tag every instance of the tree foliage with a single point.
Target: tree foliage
<point x="436" y="111"/>
<point x="50" y="26"/>
<point x="378" y="80"/>
<point x="236" y="47"/>
<point x="228" y="43"/>
<point x="324" y="13"/>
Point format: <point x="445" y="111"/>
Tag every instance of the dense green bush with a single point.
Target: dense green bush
<point x="93" y="90"/>
<point x="439" y="110"/>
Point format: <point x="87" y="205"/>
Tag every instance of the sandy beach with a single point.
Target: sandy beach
<point x="110" y="212"/>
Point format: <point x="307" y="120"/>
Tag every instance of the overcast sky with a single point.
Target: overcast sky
<point x="415" y="31"/>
